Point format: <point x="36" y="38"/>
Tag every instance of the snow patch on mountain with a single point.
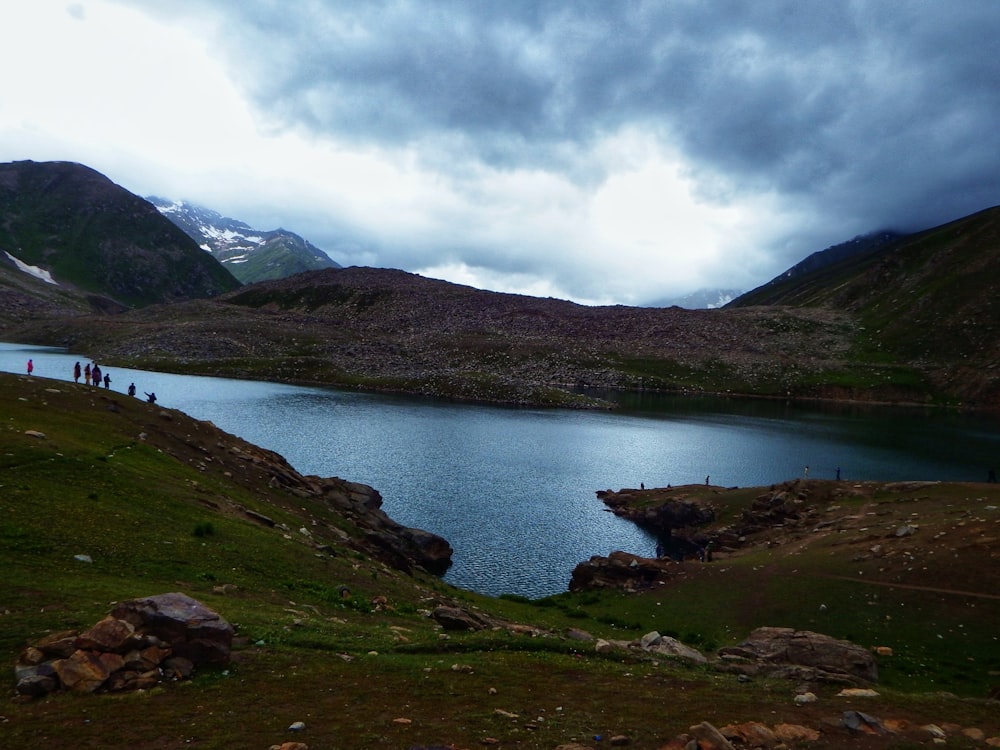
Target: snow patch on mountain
<point x="38" y="273"/>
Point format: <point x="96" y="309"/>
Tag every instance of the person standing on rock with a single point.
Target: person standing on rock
<point x="76" y="373"/>
<point x="31" y="367"/>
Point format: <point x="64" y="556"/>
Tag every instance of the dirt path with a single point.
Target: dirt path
<point x="914" y="587"/>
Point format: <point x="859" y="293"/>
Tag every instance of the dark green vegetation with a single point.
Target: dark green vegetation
<point x="111" y="247"/>
<point x="926" y="302"/>
<point x="158" y="503"/>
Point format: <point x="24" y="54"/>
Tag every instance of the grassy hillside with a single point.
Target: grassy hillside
<point x="158" y="502"/>
<point x="98" y="238"/>
<point x="927" y="301"/>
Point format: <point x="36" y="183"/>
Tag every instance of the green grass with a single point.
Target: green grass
<point x="344" y="643"/>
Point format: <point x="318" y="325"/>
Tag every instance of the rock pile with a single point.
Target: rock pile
<point x="141" y="643"/>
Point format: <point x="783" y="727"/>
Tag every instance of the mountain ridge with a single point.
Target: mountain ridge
<point x="250" y="254"/>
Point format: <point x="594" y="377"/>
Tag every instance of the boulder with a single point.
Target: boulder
<point x="83" y="672"/>
<point x="456" y="618"/>
<point x="667" y="646"/>
<point x="110" y="634"/>
<point x="190" y="628"/>
<point x="807" y="653"/>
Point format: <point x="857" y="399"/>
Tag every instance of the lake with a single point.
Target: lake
<point x="513" y="489"/>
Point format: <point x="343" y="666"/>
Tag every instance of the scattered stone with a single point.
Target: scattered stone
<point x="857" y="693"/>
<point x="709" y="738"/>
<point x="934" y="731"/>
<point x="619" y="740"/>
<point x="752" y="734"/>
<point x="402" y="721"/>
<point x="36" y="434"/>
<point x="505" y="714"/>
<point x="863" y="723"/>
<point x="290" y="746"/>
<point x="83" y="558"/>
<point x="795" y="733"/>
<point x="296" y="726"/>
<point x="803" y="698"/>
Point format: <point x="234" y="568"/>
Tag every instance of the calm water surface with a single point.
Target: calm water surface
<point x="513" y="489"/>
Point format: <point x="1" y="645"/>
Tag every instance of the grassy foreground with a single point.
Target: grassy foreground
<point x="155" y="500"/>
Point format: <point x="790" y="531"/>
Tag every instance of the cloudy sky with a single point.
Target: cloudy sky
<point x="604" y="151"/>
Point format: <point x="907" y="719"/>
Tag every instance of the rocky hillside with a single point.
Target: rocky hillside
<point x="250" y="254"/>
<point x="97" y="240"/>
<point x="391" y="330"/>
<point x="911" y="320"/>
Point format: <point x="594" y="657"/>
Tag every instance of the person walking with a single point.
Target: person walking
<point x="86" y="374"/>
<point x="107" y="382"/>
<point x="31" y="367"/>
<point x="76" y="373"/>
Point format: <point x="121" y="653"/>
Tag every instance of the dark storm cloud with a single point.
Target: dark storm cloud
<point x="880" y="113"/>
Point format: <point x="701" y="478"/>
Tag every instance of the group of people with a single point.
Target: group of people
<point x="92" y="375"/>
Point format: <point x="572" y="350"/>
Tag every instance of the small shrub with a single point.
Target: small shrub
<point x="203" y="529"/>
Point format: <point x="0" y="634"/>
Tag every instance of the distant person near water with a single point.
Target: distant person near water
<point x="31" y="367"/>
<point x="86" y="374"/>
<point x="76" y="373"/>
<point x="95" y="375"/>
<point x="991" y="477"/>
<point x="150" y="397"/>
<point x="107" y="382"/>
<point x="131" y="389"/>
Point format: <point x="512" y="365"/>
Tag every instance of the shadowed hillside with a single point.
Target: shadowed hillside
<point x="99" y="239"/>
<point x="928" y="300"/>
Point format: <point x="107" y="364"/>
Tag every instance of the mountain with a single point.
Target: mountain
<point x="250" y="254"/>
<point x="703" y="299"/>
<point x="67" y="223"/>
<point x="927" y="299"/>
<point x="777" y="287"/>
